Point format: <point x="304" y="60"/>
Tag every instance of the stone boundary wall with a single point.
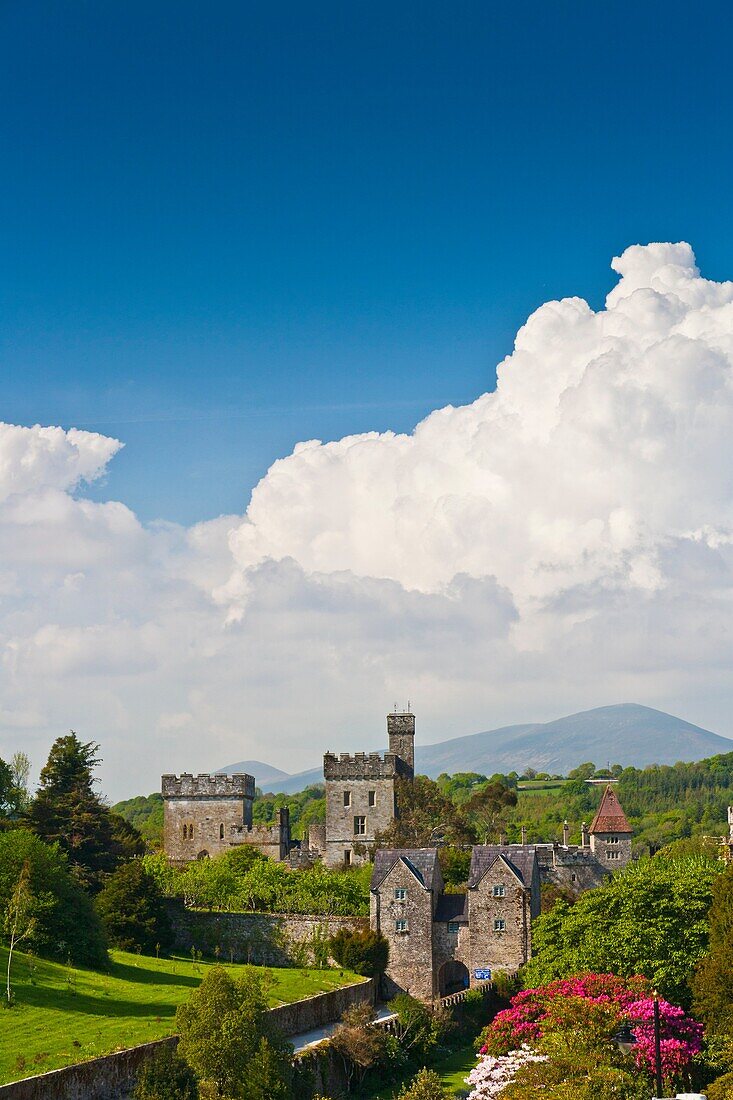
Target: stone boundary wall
<point x="112" y="1077"/>
<point x="263" y="939"/>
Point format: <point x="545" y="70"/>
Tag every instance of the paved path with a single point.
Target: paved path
<point x="310" y="1038"/>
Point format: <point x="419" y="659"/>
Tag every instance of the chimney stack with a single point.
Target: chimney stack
<point x="565" y="832"/>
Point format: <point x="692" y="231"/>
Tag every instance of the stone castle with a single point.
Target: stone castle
<point x="439" y="942"/>
<point x="204" y="815"/>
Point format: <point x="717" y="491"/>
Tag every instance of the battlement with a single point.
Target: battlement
<point x="363" y="765"/>
<point x="207" y="786"/>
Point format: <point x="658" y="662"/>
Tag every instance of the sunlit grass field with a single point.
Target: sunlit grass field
<point x="64" y="1015"/>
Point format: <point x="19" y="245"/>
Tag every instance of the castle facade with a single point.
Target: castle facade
<point x="205" y="815"/>
<point x="441" y="942"/>
<point x="361" y="795"/>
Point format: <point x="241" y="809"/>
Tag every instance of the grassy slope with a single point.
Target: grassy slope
<point x="453" y="1070"/>
<point x="64" y="1015"/>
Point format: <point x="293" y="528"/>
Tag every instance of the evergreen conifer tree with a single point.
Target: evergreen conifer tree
<point x="67" y="811"/>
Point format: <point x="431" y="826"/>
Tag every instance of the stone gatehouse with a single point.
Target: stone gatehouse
<point x="440" y="942"/>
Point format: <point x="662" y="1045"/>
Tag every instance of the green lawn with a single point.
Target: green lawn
<point x="64" y="1015"/>
<point x="453" y="1070"/>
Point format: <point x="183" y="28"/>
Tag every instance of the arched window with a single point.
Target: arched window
<point x="221" y="831"/>
<point x="185" y="831"/>
<point x="190" y="832"/>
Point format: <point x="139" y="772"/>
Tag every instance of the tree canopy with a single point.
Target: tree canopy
<point x="133" y="910"/>
<point x="227" y="1037"/>
<point x="650" y="919"/>
<point x="66" y="924"/>
<point x="67" y="811"/>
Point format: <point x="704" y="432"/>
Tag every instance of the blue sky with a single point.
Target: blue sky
<point x="229" y="227"/>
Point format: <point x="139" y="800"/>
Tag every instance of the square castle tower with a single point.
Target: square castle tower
<point x="360" y="792"/>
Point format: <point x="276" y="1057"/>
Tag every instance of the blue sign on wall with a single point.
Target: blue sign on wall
<point x="482" y="975"/>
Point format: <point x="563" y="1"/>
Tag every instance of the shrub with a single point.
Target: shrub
<point x="166" y="1076"/>
<point x="364" y="951"/>
<point x="133" y="910"/>
<point x="721" y="1088"/>
<point x="425" y="1086"/>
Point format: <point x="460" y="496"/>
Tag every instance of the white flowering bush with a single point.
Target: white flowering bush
<point x="491" y="1075"/>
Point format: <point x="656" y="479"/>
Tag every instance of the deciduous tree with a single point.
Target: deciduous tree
<point x="221" y="1030"/>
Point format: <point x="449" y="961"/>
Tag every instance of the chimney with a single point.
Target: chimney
<point x="584" y="838"/>
<point x="401" y="734"/>
<point x="524" y="835"/>
<point x="565" y="832"/>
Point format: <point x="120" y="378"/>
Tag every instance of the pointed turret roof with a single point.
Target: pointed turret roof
<point x="610" y="817"/>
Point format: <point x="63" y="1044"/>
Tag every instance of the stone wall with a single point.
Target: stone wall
<point x="264" y="939"/>
<point x="109" y="1078"/>
<point x="113" y="1076"/>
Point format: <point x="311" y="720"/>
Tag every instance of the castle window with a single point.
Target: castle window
<point x="499" y="891"/>
<point x="573" y="878"/>
<point x="612" y="840"/>
<point x="613" y="855"/>
<point x="401" y="926"/>
<point x="347" y="855"/>
<point x="347" y="798"/>
<point x="499" y="925"/>
<point x="359" y="826"/>
<point x="453" y="925"/>
<point x="185" y="831"/>
<point x="372" y="798"/>
<point x="221" y="831"/>
<point x="400" y="893"/>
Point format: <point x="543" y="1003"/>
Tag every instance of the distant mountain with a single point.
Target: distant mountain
<point x="626" y="734"/>
<point x="264" y="773"/>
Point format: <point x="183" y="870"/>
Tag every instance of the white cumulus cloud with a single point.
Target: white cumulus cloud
<point x="564" y="541"/>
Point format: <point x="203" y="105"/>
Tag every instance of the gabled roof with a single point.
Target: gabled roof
<point x="423" y="862"/>
<point x="521" y="859"/>
<point x="610" y="817"/>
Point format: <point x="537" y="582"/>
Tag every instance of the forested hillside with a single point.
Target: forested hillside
<point x="662" y="803"/>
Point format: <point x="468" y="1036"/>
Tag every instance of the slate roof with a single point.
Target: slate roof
<point x="423" y="863"/>
<point x="452" y="907"/>
<point x="610" y="817"/>
<point x="520" y="857"/>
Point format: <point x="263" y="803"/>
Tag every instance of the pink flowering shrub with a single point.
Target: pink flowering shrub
<point x="681" y="1037"/>
<point x="490" y="1076"/>
<point x="522" y="1022"/>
